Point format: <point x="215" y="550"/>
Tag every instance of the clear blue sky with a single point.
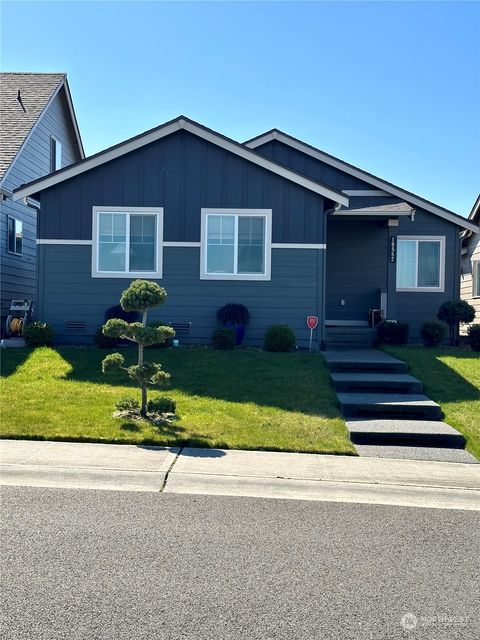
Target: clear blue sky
<point x="393" y="87"/>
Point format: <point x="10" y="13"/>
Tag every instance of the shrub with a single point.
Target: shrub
<point x="102" y="341"/>
<point x="454" y="312"/>
<point x="233" y="314"/>
<point x="223" y="338"/>
<point x="474" y="337"/>
<point x="38" y="334"/>
<point x="279" y="337"/>
<point x="162" y="404"/>
<point x="433" y="332"/>
<point x="164" y="343"/>
<point x="392" y="332"/>
<point x="128" y="404"/>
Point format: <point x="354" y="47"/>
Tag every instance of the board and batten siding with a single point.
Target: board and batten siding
<point x="183" y="174"/>
<point x="466" y="280"/>
<point x="18" y="272"/>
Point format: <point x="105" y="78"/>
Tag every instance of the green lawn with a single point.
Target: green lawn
<point x="451" y="377"/>
<point x="245" y="399"/>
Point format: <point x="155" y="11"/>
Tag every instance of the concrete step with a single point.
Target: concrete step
<point x="344" y="336"/>
<point x="393" y="405"/>
<point x="376" y="382"/>
<point x="355" y="360"/>
<point x="433" y="454"/>
<point x="388" y="432"/>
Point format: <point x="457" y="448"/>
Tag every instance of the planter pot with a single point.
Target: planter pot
<point x="239" y="332"/>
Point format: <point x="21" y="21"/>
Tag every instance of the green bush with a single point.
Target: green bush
<point x="167" y="342"/>
<point x="223" y="338"/>
<point x="474" y="337"/>
<point x="233" y="314"/>
<point x="102" y="341"/>
<point x="162" y="404"/>
<point x="38" y="334"/>
<point x="279" y="337"/>
<point x="392" y="332"/>
<point x="454" y="312"/>
<point x="128" y="404"/>
<point x="433" y="332"/>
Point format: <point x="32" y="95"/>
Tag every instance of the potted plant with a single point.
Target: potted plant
<point x="236" y="317"/>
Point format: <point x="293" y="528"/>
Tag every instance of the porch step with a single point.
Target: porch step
<point x="394" y="405"/>
<point x="355" y="360"/>
<point x="338" y="336"/>
<point x="376" y="382"/>
<point x="433" y="454"/>
<point x="388" y="432"/>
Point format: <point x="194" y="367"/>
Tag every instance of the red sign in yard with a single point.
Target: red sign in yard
<point x="312" y="322"/>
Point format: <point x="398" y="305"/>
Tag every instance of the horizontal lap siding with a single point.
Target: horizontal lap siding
<point x="466" y="281"/>
<point x="72" y="294"/>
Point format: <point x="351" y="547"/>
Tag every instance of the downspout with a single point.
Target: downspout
<point x="323" y="317"/>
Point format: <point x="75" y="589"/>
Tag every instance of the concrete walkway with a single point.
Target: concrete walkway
<point x="241" y="473"/>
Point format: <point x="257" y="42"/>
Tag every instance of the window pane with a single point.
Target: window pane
<point x="11" y="235"/>
<point x="220" y="244"/>
<point x="220" y="258"/>
<point x="428" y="264"/>
<point x="251" y="244"/>
<point x="112" y="236"/>
<point x="142" y="243"/>
<point x="18" y="236"/>
<point x="406" y="264"/>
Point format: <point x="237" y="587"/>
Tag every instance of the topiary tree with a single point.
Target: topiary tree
<point x="140" y="296"/>
<point x="454" y="312"/>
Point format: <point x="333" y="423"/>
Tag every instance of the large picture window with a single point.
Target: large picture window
<point x="420" y="263"/>
<point x="236" y="244"/>
<point x="127" y="242"/>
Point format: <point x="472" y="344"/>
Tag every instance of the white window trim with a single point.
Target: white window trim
<point x="475" y="279"/>
<point x="441" y="287"/>
<point x="157" y="274"/>
<point x="15" y="220"/>
<point x="267" y="214"/>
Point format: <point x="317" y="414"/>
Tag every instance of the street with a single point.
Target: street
<point x="122" y="565"/>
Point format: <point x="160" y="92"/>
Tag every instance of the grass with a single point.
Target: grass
<point x="242" y="399"/>
<point x="451" y="377"/>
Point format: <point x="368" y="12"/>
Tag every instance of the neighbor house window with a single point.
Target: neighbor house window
<point x="420" y="263"/>
<point x="236" y="244"/>
<point x="55" y="154"/>
<point x="476" y="278"/>
<point x="15" y="236"/>
<point x="127" y="242"/>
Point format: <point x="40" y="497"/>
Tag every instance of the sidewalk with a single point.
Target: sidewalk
<point x="241" y="473"/>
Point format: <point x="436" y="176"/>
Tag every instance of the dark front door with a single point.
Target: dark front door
<point x="357" y="260"/>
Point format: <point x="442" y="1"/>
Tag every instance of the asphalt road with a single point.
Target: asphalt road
<point x="118" y="565"/>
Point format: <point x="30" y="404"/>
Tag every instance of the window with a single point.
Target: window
<point x="420" y="263"/>
<point x="236" y="244"/>
<point x="476" y="278"/>
<point x="15" y="235"/>
<point x="55" y="154"/>
<point x="127" y="242"/>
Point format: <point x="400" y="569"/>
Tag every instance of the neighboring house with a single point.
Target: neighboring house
<point x="38" y="134"/>
<point x="470" y="281"/>
<point x="274" y="224"/>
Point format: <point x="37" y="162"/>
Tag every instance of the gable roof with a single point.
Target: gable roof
<point x="475" y="212"/>
<point x="180" y="123"/>
<point x="24" y="97"/>
<point x="295" y="143"/>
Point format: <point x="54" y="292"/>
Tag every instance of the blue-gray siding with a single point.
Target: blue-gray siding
<point x="18" y="273"/>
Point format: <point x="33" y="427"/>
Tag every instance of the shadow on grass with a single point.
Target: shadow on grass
<point x="12" y="359"/>
<point x="296" y="382"/>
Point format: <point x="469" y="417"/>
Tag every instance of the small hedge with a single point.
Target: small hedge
<point x="392" y="332"/>
<point x="223" y="338"/>
<point x="162" y="404"/>
<point x="38" y="334"/>
<point x="433" y="332"/>
<point x="279" y="338"/>
<point x="128" y="404"/>
<point x="474" y="337"/>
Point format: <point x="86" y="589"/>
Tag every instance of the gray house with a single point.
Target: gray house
<point x="470" y="280"/>
<point x="38" y="134"/>
<point x="273" y="223"/>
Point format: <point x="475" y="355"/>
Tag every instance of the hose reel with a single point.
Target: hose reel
<point x="20" y="314"/>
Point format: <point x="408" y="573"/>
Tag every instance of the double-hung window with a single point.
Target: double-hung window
<point x="476" y="278"/>
<point x="15" y="236"/>
<point x="421" y="263"/>
<point x="236" y="244"/>
<point x="127" y="242"/>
